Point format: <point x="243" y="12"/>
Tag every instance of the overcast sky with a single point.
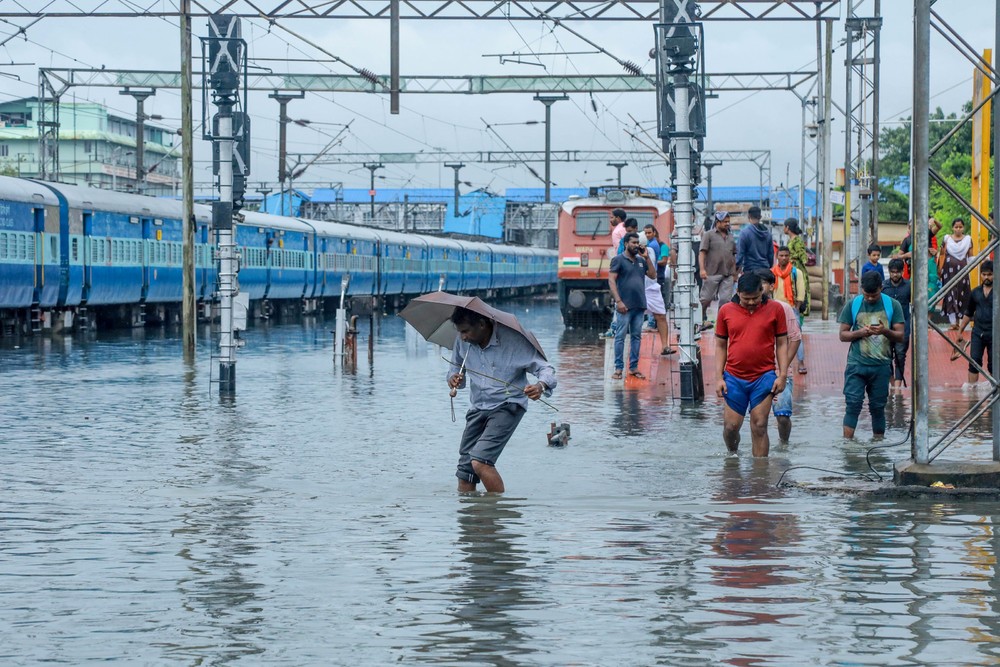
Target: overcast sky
<point x="764" y="120"/>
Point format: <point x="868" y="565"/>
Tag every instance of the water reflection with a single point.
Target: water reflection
<point x="314" y="521"/>
<point x="487" y="626"/>
<point x="627" y="412"/>
<point x="753" y="565"/>
<point x="220" y="590"/>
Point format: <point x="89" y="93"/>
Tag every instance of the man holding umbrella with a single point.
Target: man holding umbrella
<point x="497" y="358"/>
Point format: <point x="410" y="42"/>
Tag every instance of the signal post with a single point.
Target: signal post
<point x="680" y="85"/>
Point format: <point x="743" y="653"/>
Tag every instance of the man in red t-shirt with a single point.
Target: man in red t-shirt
<point x="748" y="337"/>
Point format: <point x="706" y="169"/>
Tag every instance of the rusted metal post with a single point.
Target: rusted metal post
<point x="351" y="346"/>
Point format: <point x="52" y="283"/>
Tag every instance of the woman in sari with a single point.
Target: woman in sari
<point x="797" y="247"/>
<point x="952" y="258"/>
<point x="799" y="256"/>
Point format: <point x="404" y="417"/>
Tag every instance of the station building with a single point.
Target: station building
<point x="97" y="148"/>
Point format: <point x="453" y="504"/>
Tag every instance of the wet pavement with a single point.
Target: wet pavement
<point x="314" y="519"/>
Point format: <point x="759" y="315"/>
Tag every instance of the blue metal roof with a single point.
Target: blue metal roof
<point x="480" y="214"/>
<point x="387" y="195"/>
<point x="732" y="193"/>
<point x="785" y="203"/>
<point x="538" y="194"/>
<point x="288" y="203"/>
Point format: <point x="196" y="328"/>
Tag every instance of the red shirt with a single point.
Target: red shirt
<point x="751" y="337"/>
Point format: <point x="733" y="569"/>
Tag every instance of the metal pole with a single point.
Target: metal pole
<point x="760" y="185"/>
<point x="864" y="210"/>
<point x="188" y="303"/>
<point x="709" y="203"/>
<point x="283" y="121"/>
<point x="877" y="66"/>
<point x="226" y="64"/>
<point x="456" y="166"/>
<point x="548" y="101"/>
<point x="394" y="56"/>
<point x="140" y="132"/>
<point x="920" y="148"/>
<point x="227" y="253"/>
<point x="848" y="134"/>
<point x="802" y="166"/>
<point x="140" y="141"/>
<point x="548" y="152"/>
<point x="282" y="139"/>
<point x="618" y="167"/>
<point x="996" y="208"/>
<point x="826" y="141"/>
<point x="683" y="219"/>
<point x="371" y="191"/>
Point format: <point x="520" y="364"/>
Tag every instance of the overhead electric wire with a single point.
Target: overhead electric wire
<point x="516" y="154"/>
<point x="626" y="65"/>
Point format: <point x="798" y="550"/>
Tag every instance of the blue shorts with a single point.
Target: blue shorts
<point x="743" y="395"/>
<point x="783" y="406"/>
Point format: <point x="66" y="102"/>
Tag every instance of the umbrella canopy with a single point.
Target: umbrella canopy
<point x="430" y="314"/>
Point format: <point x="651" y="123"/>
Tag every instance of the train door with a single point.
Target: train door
<point x="145" y="256"/>
<point x="321" y="264"/>
<point x="203" y="262"/>
<point x="306" y="267"/>
<point x="269" y="259"/>
<point x="347" y="262"/>
<point x="38" y="215"/>
<point x="88" y="255"/>
<point x="63" y="253"/>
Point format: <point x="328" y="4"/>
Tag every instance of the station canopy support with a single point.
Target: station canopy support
<point x="497" y="10"/>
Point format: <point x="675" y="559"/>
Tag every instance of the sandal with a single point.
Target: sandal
<point x="617" y="375"/>
<point x="957" y="352"/>
<point x="803" y="370"/>
<point x="667" y="351"/>
<point x="637" y="375"/>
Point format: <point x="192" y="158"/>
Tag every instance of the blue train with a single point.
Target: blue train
<point x="76" y="256"/>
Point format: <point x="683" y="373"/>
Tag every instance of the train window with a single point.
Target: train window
<point x="54" y="248"/>
<point x="108" y="256"/>
<point x="75" y="243"/>
<point x="3" y="245"/>
<point x="592" y="223"/>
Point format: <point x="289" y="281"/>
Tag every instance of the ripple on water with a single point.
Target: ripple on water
<point x="314" y="521"/>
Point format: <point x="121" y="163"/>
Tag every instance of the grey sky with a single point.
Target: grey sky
<point x="766" y="120"/>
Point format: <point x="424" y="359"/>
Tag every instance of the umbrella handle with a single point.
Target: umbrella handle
<point x="461" y="371"/>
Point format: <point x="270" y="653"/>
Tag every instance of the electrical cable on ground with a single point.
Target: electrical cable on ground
<point x="865" y="476"/>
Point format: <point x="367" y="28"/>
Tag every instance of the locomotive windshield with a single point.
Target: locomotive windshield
<point x="595" y="223"/>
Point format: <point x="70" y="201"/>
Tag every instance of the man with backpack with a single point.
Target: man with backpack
<point x="871" y="322"/>
<point x="755" y="246"/>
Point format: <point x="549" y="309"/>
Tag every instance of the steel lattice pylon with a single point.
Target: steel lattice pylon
<point x="863" y="25"/>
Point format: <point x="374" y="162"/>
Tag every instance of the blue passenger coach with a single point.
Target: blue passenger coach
<point x="71" y="250"/>
<point x="29" y="214"/>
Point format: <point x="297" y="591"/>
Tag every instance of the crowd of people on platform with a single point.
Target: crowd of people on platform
<point x="758" y="330"/>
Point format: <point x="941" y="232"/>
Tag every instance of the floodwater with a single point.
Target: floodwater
<point x="314" y="521"/>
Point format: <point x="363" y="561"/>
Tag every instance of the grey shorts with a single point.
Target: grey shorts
<point x="486" y="434"/>
<point x="717" y="287"/>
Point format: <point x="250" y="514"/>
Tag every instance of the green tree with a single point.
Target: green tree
<point x="953" y="161"/>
